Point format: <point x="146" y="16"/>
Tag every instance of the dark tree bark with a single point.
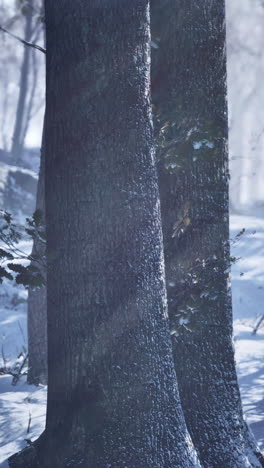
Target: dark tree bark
<point x="112" y="395"/>
<point x="37" y="302"/>
<point x="189" y="96"/>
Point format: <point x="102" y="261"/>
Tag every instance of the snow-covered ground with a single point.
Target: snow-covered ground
<point x="22" y="415"/>
<point x="23" y="407"/>
<point x="248" y="301"/>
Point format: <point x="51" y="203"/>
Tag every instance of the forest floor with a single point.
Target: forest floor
<point x="248" y="300"/>
<point x="23" y="406"/>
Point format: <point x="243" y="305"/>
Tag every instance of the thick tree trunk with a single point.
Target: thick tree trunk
<point x="37" y="303"/>
<point x="189" y="95"/>
<point x="112" y="396"/>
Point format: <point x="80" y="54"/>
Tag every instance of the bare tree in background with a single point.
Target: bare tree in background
<point x="26" y="89"/>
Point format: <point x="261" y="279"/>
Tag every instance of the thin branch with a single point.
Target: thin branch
<point x="37" y="108"/>
<point x="258" y="325"/>
<point x="29" y="422"/>
<point x="21" y="331"/>
<point x="3" y="357"/>
<point x="29" y="44"/>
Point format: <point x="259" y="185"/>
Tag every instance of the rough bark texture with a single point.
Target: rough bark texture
<point x="37" y="303"/>
<point x="112" y="395"/>
<point x="189" y="96"/>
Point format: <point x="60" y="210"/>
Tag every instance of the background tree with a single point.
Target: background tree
<point x="22" y="96"/>
<point x="190" y="105"/>
<point x="112" y="396"/>
<point x="18" y="135"/>
<point x="37" y="298"/>
<point x="29" y="15"/>
<point x="245" y="96"/>
<point x="37" y="301"/>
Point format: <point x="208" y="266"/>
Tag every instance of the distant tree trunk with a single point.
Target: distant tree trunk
<point x="189" y="97"/>
<point x="112" y="395"/>
<point x="37" y="303"/>
<point x="37" y="298"/>
<point x="31" y="98"/>
<point x="21" y="111"/>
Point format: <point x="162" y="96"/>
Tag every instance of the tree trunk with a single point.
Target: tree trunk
<point x="189" y="96"/>
<point x="37" y="298"/>
<point x="37" y="303"/>
<point x="112" y="396"/>
<point x="18" y="134"/>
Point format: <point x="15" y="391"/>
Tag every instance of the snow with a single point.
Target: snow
<point x="154" y="45"/>
<point x="13" y="324"/>
<point x="248" y="299"/>
<point x="198" y="144"/>
<point x="19" y="401"/>
<point x="18" y="405"/>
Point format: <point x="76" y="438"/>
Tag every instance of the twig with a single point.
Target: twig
<point x="22" y="331"/>
<point x="259" y="322"/>
<point x="29" y="422"/>
<point x="3" y="357"/>
<point x="29" y="44"/>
